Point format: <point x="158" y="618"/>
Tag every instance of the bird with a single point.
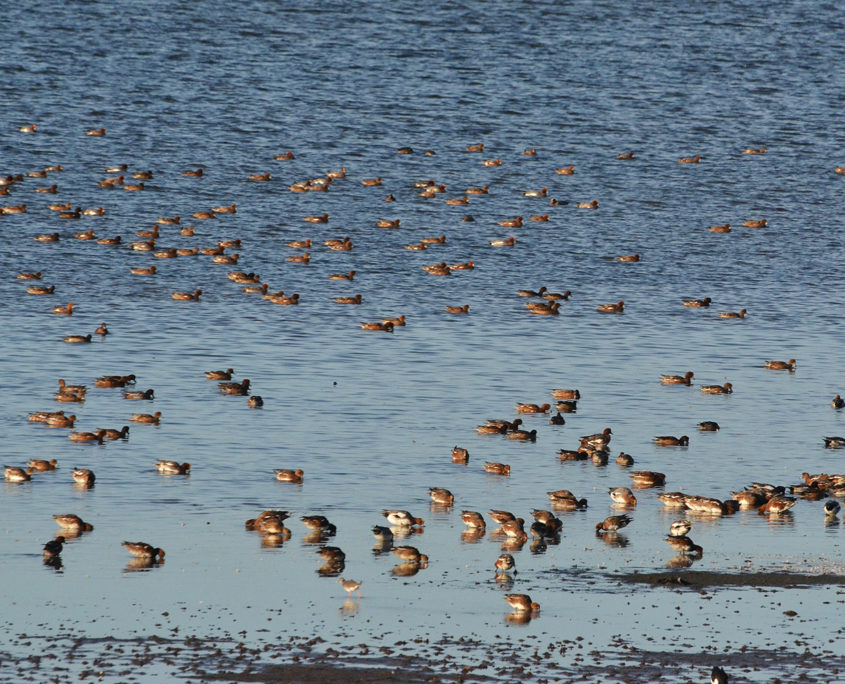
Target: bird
<point x="781" y="365"/>
<point x="669" y="440"/>
<point x="522" y="603"/>
<point x="350" y="586"/>
<point x="679" y="528"/>
<point x="831" y="508"/>
<point x="173" y="467"/>
<point x="441" y="496"/>
<point x="144" y="550"/>
<point x="718" y="675"/>
<point x="473" y="519"/>
<point x="697" y="303"/>
<point x="504" y="563"/>
<point x="685" y="379"/>
<point x="613" y="523"/>
<point x="708" y="426"/>
<point x="83" y="476"/>
<point x="72" y="522"/>
<point x="619" y="307"/>
<point x="623" y="496"/>
<point x="293" y="476"/>
<point x="411" y="554"/>
<point x="837" y="402"/>
<point x="834" y="442"/>
<point x="241" y="388"/>
<point x="53" y="547"/>
<point x="727" y="388"/>
<point x="399" y="518"/>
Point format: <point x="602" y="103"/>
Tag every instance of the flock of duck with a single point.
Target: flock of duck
<point x="510" y="528"/>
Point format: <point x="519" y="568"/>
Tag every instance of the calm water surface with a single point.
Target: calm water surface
<point x="371" y="417"/>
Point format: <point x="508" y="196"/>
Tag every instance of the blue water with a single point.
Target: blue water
<point x="371" y="417"/>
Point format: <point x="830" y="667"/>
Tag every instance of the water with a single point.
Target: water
<point x="371" y="417"/>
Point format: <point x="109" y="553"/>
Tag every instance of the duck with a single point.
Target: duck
<point x="685" y="545"/>
<point x="83" y="476"/>
<point x="748" y="498"/>
<point x="563" y="499"/>
<point x="619" y="307"/>
<point x="834" y="442"/>
<point x="685" y="379"/>
<point x="233" y="258"/>
<point x="53" y="548"/>
<point x="378" y="325"/>
<point x="500" y="516"/>
<point x="708" y="426"/>
<point x="348" y="300"/>
<point x="41" y="465"/>
<point x="72" y="522"/>
<point x="562" y="393"/>
<point x="679" y="528"/>
<point x="67" y="396"/>
<point x="96" y="132"/>
<point x="219" y="374"/>
<point x="48" y="190"/>
<point x="710" y="506"/>
<point x="624" y="459"/>
<point x="371" y="182"/>
<point x="566" y="170"/>
<point x="542" y="192"/>
<point x="342" y="276"/>
<point x="522" y="435"/>
<point x="540" y="309"/>
<point x="613" y="523"/>
<point x="515" y="529"/>
<point x="522" y="603"/>
<point x="669" y="440"/>
<point x="299" y="259"/>
<point x="383" y="534"/>
<point x="458" y="201"/>
<point x="499" y="242"/>
<point x="112" y="434"/>
<point x="599" y="440"/>
<point x="672" y="499"/>
<point x="697" y="303"/>
<point x="187" y="296"/>
<point x="411" y="554"/>
<point x="648" y="478"/>
<point x="497" y="468"/>
<point x="566" y="406"/>
<point x="241" y="388"/>
<point x="74" y="339"/>
<point x="460" y="455"/>
<point x="399" y="518"/>
<point x="777" y="505"/>
<point x="623" y="496"/>
<point x="204" y="215"/>
<point x="395" y="320"/>
<point x="87" y="436"/>
<point x="557" y="419"/>
<point x="114" y="381"/>
<point x="473" y="519"/>
<point x="492" y="162"/>
<point x="532" y="293"/>
<point x="478" y="190"/>
<point x="441" y="496"/>
<point x="504" y="563"/>
<point x="61" y="421"/>
<point x="193" y="173"/>
<point x="173" y="467"/>
<point x="292" y="476"/>
<point x="734" y="314"/>
<point x="319" y="523"/>
<point x="148" y="395"/>
<point x="225" y="209"/>
<point x="717" y="674"/>
<point x="511" y="223"/>
<point x="116" y="240"/>
<point x="271" y="521"/>
<point x="29" y="275"/>
<point x="256" y="289"/>
<point x="837" y="402"/>
<point x="754" y="223"/>
<point x="282" y="299"/>
<point x="259" y="177"/>
<point x="587" y="205"/>
<point x="724" y="228"/>
<point x="339" y="245"/>
<point x="434" y="240"/>
<point x="532" y="408"/>
<point x="781" y="365"/>
<point x="144" y="550"/>
<point x="727" y="388"/>
<point x="46" y="237"/>
<point x="241" y="277"/>
<point x="146" y="417"/>
<point x="284" y="156"/>
<point x="16" y="474"/>
<point x="40" y="289"/>
<point x="255" y="401"/>
<point x="831" y="508"/>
